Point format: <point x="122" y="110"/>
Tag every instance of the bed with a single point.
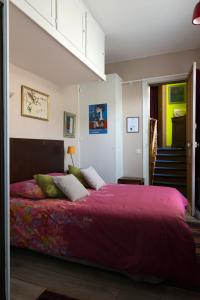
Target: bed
<point x="137" y="230"/>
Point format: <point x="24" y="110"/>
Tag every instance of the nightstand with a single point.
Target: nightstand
<point x="131" y="180"/>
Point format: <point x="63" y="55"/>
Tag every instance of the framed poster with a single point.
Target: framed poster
<point x="177" y="93"/>
<point x="69" y="126"/>
<point x="34" y="104"/>
<point x="98" y="123"/>
<point x="132" y="124"/>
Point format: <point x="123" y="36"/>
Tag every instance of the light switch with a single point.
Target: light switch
<point x="138" y="151"/>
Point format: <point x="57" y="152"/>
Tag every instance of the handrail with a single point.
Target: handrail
<point x="153" y="147"/>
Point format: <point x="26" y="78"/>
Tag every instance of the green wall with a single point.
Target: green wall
<point x="170" y="112"/>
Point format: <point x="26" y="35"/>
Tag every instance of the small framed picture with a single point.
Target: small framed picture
<point x="132" y="124"/>
<point x="69" y="124"/>
<point x="98" y="118"/>
<point x="177" y="93"/>
<point x="34" y="104"/>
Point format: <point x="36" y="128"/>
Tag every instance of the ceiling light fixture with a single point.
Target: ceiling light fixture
<point x="196" y="15"/>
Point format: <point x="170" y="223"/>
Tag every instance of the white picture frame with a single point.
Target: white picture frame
<point x="132" y="124"/>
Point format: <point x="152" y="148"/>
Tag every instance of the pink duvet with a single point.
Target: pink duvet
<point x="130" y="228"/>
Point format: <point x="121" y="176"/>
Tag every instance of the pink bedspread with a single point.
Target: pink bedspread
<point x="130" y="228"/>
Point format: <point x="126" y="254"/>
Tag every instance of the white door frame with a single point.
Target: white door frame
<point x="191" y="142"/>
<point x="146" y="114"/>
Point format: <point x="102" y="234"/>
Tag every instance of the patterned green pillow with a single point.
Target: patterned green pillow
<point x="77" y="173"/>
<point x="48" y="186"/>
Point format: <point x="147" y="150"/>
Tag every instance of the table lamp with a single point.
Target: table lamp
<point x="71" y="150"/>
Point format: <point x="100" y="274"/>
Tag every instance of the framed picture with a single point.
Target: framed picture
<point x="34" y="104"/>
<point x="177" y="93"/>
<point x="69" y="124"/>
<point x="98" y="123"/>
<point x="132" y="124"/>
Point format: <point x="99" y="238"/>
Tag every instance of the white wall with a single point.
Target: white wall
<point x="65" y="99"/>
<point x="102" y="151"/>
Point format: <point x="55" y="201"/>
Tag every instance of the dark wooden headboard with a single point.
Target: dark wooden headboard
<point x="32" y="156"/>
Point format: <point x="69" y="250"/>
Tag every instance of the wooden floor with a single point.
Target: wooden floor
<point x="32" y="273"/>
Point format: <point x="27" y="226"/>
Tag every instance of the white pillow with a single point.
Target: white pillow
<point x="71" y="187"/>
<point x="93" y="179"/>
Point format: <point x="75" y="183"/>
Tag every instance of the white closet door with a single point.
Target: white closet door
<point x="71" y="22"/>
<point x="95" y="43"/>
<point x="46" y="8"/>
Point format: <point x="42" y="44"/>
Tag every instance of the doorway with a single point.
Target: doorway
<point x="193" y="82"/>
<point x="167" y="143"/>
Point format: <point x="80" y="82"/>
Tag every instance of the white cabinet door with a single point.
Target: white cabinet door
<point x="71" y="22"/>
<point x="95" y="43"/>
<point x="46" y="8"/>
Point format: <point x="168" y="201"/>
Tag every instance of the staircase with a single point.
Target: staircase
<point x="170" y="168"/>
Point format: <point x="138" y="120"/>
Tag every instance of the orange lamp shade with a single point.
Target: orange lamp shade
<point x="71" y="150"/>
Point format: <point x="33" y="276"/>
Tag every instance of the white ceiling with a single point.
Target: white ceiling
<point x="140" y="28"/>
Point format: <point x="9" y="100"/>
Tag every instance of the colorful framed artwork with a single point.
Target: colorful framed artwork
<point x="69" y="126"/>
<point x="177" y="93"/>
<point x="98" y="123"/>
<point x="34" y="104"/>
<point x="132" y="124"/>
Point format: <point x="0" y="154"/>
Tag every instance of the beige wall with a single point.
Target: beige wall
<point x="160" y="65"/>
<point x="60" y="100"/>
<point x="138" y="69"/>
<point x="132" y="142"/>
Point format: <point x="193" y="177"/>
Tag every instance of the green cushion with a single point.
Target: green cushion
<point x="48" y="186"/>
<point x="77" y="173"/>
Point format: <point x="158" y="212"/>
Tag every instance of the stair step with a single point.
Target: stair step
<point x="170" y="149"/>
<point x="171" y="154"/>
<point x="170" y="175"/>
<point x="177" y="151"/>
<point x="171" y="168"/>
<point x="170" y="178"/>
<point x="176" y="170"/>
<point x="169" y="161"/>
<point x="167" y="183"/>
